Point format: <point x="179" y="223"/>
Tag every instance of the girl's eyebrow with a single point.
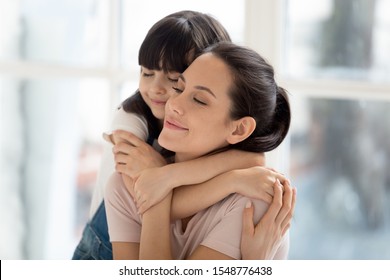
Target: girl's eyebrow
<point x="203" y="88"/>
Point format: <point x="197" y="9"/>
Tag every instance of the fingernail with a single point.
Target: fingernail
<point x="108" y="137"/>
<point x="248" y="204"/>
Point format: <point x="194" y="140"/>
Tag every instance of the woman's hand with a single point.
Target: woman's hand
<point x="256" y="182"/>
<point x="263" y="240"/>
<point x="133" y="155"/>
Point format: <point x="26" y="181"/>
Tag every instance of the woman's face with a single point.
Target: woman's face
<point x="197" y="116"/>
<point x="156" y="87"/>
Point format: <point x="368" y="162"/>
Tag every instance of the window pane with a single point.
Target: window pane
<point x="338" y="39"/>
<point x="66" y="32"/>
<point x="139" y="16"/>
<point x="50" y="152"/>
<point x="340" y="154"/>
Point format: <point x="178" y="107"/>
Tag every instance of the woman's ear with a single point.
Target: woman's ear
<point x="241" y="130"/>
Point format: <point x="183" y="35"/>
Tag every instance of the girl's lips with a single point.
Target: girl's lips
<point x="158" y="102"/>
<point x="172" y="124"/>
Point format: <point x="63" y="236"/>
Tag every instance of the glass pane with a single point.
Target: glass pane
<point x="340" y="158"/>
<point x="50" y="151"/>
<point x="65" y="32"/>
<point x="346" y="39"/>
<point x="139" y="16"/>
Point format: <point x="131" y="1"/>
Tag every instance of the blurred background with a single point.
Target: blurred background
<point x="66" y="65"/>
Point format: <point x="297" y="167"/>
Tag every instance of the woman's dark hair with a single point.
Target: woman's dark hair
<point x="255" y="93"/>
<point x="171" y="45"/>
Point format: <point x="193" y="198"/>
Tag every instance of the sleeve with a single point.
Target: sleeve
<point x="124" y="223"/>
<point x="131" y="122"/>
<point x="225" y="237"/>
<point x="122" y="120"/>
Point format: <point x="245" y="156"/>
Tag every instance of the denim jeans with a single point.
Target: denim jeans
<point x="95" y="242"/>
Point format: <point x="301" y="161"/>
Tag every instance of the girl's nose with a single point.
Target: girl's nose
<point x="158" y="86"/>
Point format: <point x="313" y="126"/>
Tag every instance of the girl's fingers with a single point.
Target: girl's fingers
<point x="108" y="137"/>
<point x="267" y="198"/>
<point x="129" y="137"/>
<point x="276" y="204"/>
<point x="120" y="168"/>
<point x="121" y="158"/>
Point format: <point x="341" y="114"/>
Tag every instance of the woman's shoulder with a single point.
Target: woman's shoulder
<point x="240" y="200"/>
<point x="237" y="202"/>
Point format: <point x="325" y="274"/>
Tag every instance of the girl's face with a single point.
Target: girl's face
<point x="197" y="116"/>
<point x="156" y="87"/>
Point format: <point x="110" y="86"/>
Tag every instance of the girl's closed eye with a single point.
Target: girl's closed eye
<point x="173" y="80"/>
<point x="147" y="74"/>
<point x="177" y="89"/>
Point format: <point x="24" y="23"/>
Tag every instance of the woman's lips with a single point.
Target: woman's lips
<point x="172" y="124"/>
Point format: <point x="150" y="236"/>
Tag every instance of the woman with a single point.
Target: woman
<point x="226" y="99"/>
<point x="162" y="57"/>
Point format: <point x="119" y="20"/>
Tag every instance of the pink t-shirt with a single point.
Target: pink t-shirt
<point x="217" y="227"/>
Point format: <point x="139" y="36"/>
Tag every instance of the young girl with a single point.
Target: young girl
<point x="167" y="50"/>
<point x="226" y="99"/>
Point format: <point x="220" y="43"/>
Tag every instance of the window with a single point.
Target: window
<point x="336" y="68"/>
<point x="64" y="68"/>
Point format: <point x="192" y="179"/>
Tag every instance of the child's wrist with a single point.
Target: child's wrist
<point x="233" y="181"/>
<point x="169" y="178"/>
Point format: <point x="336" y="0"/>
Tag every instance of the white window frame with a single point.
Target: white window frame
<point x="264" y="33"/>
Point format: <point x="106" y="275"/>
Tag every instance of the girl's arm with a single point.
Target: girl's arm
<point x="255" y="182"/>
<point x="153" y="184"/>
<point x="133" y="155"/>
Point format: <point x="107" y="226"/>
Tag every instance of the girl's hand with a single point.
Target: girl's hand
<point x="256" y="182"/>
<point x="263" y="240"/>
<point x="133" y="155"/>
<point x="150" y="187"/>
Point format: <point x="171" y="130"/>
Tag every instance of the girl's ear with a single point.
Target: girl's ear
<point x="241" y="130"/>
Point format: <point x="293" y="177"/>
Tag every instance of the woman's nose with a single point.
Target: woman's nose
<point x="174" y="104"/>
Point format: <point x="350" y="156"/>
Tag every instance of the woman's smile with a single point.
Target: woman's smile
<point x="170" y="123"/>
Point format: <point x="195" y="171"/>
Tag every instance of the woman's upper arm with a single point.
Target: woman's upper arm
<point x="206" y="253"/>
<point x="125" y="250"/>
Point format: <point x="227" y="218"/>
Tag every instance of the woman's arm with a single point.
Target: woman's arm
<point x="125" y="250"/>
<point x="155" y="234"/>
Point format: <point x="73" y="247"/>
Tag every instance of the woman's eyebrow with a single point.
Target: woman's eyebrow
<point x="203" y="88"/>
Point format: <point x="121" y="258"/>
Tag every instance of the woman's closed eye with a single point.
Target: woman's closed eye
<point x="199" y="101"/>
